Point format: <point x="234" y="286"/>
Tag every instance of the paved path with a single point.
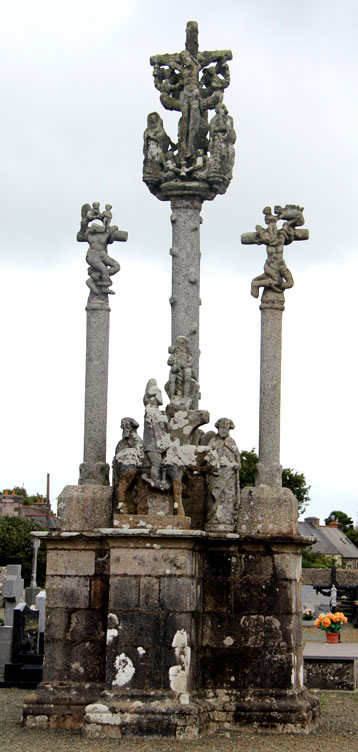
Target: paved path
<point x="323" y="650"/>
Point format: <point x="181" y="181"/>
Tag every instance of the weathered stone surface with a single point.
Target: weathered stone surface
<point x="153" y="521"/>
<point x="149" y="593"/>
<point x="123" y="593"/>
<point x="68" y="562"/>
<point x="178" y="594"/>
<point x="67" y="592"/>
<point x="190" y="85"/>
<point x="85" y="625"/>
<point x="325" y="674"/>
<point x="267" y="510"/>
<point x="56" y="623"/>
<point x="223" y="490"/>
<point x="185" y="297"/>
<point x="144" y="561"/>
<point x="84" y="661"/>
<point x="85" y="507"/>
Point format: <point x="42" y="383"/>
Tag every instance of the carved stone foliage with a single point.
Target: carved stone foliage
<point x="98" y="236"/>
<point x="201" y="162"/>
<point x="182" y="387"/>
<point x="276" y="277"/>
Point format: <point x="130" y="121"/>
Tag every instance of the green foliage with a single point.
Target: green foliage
<point x="16" y="547"/>
<point x="353" y="536"/>
<point x="343" y="518"/>
<point x="247" y="470"/>
<point x="348" y="525"/>
<point x="27" y="500"/>
<point x="296" y="482"/>
<point x="312" y="560"/>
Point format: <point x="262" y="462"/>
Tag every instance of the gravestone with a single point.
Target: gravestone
<point x="13" y="589"/>
<point x="12" y="593"/>
<point x="173" y="606"/>
<point x="25" y="668"/>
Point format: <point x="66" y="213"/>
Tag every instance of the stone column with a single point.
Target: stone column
<point x="268" y="469"/>
<point x="94" y="469"/>
<point x="185" y="252"/>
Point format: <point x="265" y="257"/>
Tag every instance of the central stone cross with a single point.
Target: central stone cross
<point x="195" y="169"/>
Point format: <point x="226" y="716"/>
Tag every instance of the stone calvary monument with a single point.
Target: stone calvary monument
<point x="173" y="605"/>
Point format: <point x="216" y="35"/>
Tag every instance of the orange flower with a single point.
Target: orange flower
<point x="336" y="618"/>
<point x="317" y="623"/>
<point x="326" y="622"/>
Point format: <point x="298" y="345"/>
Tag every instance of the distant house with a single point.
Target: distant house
<point x="11" y="505"/>
<point x="332" y="542"/>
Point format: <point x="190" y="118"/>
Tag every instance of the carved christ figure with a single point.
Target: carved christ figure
<point x="176" y="76"/>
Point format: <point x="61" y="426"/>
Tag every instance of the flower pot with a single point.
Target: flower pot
<point x="332" y="637"/>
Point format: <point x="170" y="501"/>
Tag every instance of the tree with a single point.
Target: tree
<point x="348" y="525"/>
<point x="296" y="482"/>
<point x="16" y="547"/>
<point x="341" y="517"/>
<point x="21" y="491"/>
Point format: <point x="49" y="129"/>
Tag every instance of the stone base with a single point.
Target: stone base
<point x="267" y="510"/>
<point x="151" y="521"/>
<point x="172" y="632"/>
<point x="59" y="704"/>
<point x="85" y="507"/>
<point x="157" y="714"/>
<point x="287" y="711"/>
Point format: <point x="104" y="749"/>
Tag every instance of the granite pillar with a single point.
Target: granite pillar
<point x="185" y="252"/>
<point x="94" y="469"/>
<point x="268" y="469"/>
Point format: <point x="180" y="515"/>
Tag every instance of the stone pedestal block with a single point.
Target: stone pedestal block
<point x="173" y="632"/>
<point x="85" y="507"/>
<point x="267" y="510"/>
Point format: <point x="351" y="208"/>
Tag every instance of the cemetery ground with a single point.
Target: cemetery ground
<point x="339" y="729"/>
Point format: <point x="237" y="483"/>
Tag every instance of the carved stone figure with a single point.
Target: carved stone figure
<point x="221" y="145"/>
<point x="223" y="479"/>
<point x="156" y="144"/>
<point x="189" y="84"/>
<point x="276" y="276"/>
<point x="101" y="266"/>
<point x="129" y="457"/>
<point x="156" y="438"/>
<point x="182" y="387"/>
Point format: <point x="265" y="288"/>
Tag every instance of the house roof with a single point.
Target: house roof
<point x="331" y="540"/>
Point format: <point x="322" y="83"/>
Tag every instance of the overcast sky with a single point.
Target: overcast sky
<point x="76" y="88"/>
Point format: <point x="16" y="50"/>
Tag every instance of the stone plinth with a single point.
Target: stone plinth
<point x="267" y="510"/>
<point x="152" y="522"/>
<point x="85" y="507"/>
<point x="189" y="632"/>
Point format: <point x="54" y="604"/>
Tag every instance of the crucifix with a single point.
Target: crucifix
<point x="196" y="168"/>
<point x="275" y="279"/>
